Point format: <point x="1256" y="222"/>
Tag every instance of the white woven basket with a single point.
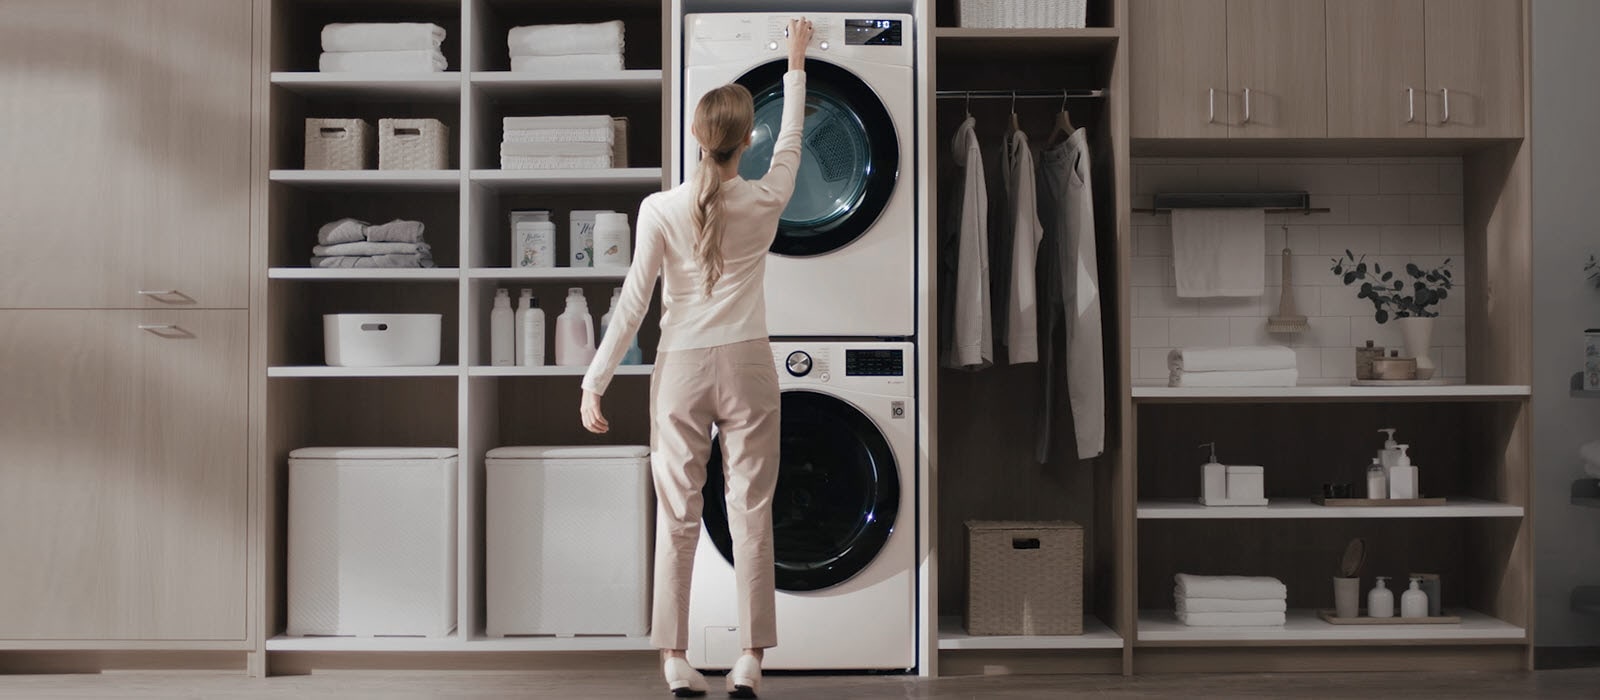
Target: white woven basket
<point x="413" y="144"/>
<point x="338" y="144"/>
<point x="1018" y="14"/>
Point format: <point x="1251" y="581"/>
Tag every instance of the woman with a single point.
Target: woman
<point x="709" y="238"/>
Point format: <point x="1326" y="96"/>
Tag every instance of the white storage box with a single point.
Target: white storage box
<point x="413" y="144"/>
<point x="382" y="340"/>
<point x="338" y="144"/>
<point x="1019" y="14"/>
<point x="372" y="541"/>
<point x="568" y="533"/>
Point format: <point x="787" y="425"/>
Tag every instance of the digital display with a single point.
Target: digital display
<point x="872" y="32"/>
<point x="874" y="363"/>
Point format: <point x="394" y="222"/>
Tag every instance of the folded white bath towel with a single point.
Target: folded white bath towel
<point x="555" y="149"/>
<point x="1219" y="252"/>
<point x="1264" y="377"/>
<point x="417" y="61"/>
<point x="556" y="162"/>
<point x="558" y="121"/>
<point x="1230" y="587"/>
<point x="1222" y="605"/>
<point x="1226" y="619"/>
<point x="594" y="135"/>
<point x="566" y="39"/>
<point x="342" y="231"/>
<point x="370" y="248"/>
<point x="565" y="65"/>
<point x="382" y="36"/>
<point x="1231" y="359"/>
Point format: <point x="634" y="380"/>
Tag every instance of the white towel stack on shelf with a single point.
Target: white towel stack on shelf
<point x="1265" y="365"/>
<point x="1230" y="601"/>
<point x="358" y="244"/>
<point x="398" y="47"/>
<point x="564" y="143"/>
<point x="565" y="49"/>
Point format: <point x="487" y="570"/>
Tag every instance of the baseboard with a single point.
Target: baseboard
<point x="1553" y="658"/>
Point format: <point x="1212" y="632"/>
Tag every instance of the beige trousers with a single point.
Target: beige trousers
<point x="735" y="388"/>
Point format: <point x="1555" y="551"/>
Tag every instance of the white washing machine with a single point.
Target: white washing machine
<point x="844" y="518"/>
<point x="849" y="232"/>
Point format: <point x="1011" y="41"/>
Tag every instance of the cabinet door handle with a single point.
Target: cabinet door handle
<point x="158" y="292"/>
<point x="1246" y="106"/>
<point x="158" y="327"/>
<point x="1411" y="105"/>
<point x="1446" y="118"/>
<point x="1211" y="106"/>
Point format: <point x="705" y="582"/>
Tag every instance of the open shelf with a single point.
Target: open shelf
<point x="631" y="83"/>
<point x="1096" y="635"/>
<point x="428" y="86"/>
<point x="557" y="274"/>
<point x="570" y="180"/>
<point x="408" y="274"/>
<point x="1160" y="627"/>
<point x="383" y="180"/>
<point x="1067" y="43"/>
<point x="287" y="643"/>
<point x="1303" y="508"/>
<point x="315" y="371"/>
<point x="581" y="643"/>
<point x="1153" y="392"/>
<point x="1575" y="388"/>
<point x="554" y="371"/>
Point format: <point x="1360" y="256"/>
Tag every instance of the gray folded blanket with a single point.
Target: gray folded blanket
<point x="342" y="231"/>
<point x="371" y="248"/>
<point x="353" y="230"/>
<point x="393" y="260"/>
<point x="396" y="231"/>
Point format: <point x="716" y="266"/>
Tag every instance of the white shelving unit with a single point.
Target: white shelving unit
<point x="579" y="643"/>
<point x="572" y="181"/>
<point x="555" y="371"/>
<point x="1096" y="635"/>
<point x="370" y="180"/>
<point x="1153" y="392"/>
<point x="1303" y="508"/>
<point x="320" y="372"/>
<point x="365" y="274"/>
<point x="1161" y="627"/>
<point x="549" y="274"/>
<point x="633" y="83"/>
<point x="346" y="644"/>
<point x="433" y="86"/>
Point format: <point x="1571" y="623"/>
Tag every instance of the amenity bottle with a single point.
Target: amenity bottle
<point x="575" y="331"/>
<point x="1403" y="476"/>
<point x="1380" y="602"/>
<point x="634" y="355"/>
<point x="1377" y="481"/>
<point x="1415" y="602"/>
<point x="530" y="331"/>
<point x="502" y="342"/>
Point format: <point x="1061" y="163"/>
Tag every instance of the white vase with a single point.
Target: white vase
<point x="1417" y="333"/>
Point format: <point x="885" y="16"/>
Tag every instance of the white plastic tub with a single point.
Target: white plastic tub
<point x="382" y="340"/>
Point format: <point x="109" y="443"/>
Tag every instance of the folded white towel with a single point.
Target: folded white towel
<point x="370" y="248"/>
<point x="1230" y="587"/>
<point x="382" y="36"/>
<point x="1220" y="605"/>
<point x="560" y="121"/>
<point x="595" y="135"/>
<point x="566" y="65"/>
<point x="373" y="261"/>
<point x="419" y="61"/>
<point x="1219" y="252"/>
<point x="556" y="162"/>
<point x="555" y="149"/>
<point x="566" y="39"/>
<point x="1263" y="377"/>
<point x="1231" y="359"/>
<point x="1226" y="619"/>
<point x="342" y="231"/>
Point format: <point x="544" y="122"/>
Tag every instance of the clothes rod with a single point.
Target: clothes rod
<point x="1019" y="94"/>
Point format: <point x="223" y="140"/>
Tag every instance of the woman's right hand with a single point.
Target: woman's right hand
<point x="800" y="31"/>
<point x="594" y="420"/>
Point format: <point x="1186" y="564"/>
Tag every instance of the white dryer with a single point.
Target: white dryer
<point x="844" y="518"/>
<point x="849" y="233"/>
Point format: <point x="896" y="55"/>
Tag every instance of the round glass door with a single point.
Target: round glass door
<point x="836" y="499"/>
<point x="849" y="157"/>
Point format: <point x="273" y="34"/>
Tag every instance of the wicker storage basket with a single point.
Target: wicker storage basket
<point x="1024" y="13"/>
<point x="413" y="144"/>
<point x="619" y="142"/>
<point x="338" y="144"/>
<point x="1024" y="578"/>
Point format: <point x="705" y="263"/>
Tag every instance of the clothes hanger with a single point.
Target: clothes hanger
<point x="1063" y="128"/>
<point x="968" y="107"/>
<point x="1015" y="126"/>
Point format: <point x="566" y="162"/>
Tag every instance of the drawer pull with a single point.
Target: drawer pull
<point x="1024" y="543"/>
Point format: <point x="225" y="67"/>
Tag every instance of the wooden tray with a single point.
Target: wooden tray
<point x="1377" y="502"/>
<point x="1329" y="617"/>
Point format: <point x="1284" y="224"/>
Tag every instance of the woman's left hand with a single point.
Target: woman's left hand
<point x="593" y="419"/>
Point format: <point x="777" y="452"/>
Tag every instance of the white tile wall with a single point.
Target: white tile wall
<point x="1393" y="210"/>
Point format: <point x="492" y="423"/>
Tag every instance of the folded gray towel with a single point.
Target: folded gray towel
<point x="370" y="248"/>
<point x="342" y="231"/>
<point x="395" y="260"/>
<point x="397" y="231"/>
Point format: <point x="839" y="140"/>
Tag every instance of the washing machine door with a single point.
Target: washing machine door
<point x="849" y="160"/>
<point x="836" y="499"/>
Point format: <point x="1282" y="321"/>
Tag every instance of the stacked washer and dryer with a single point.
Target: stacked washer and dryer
<point x="841" y="306"/>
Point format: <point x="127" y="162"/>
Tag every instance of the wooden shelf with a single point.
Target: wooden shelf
<point x="554" y="371"/>
<point x="1096" y="635"/>
<point x="321" y="372"/>
<point x="1304" y="509"/>
<point x="326" y="644"/>
<point x="396" y="86"/>
<point x="643" y="179"/>
<point x="370" y="180"/>
<point x="630" y="83"/>
<point x="365" y="274"/>
<point x="1150" y="392"/>
<point x="1161" y="628"/>
<point x="562" y="274"/>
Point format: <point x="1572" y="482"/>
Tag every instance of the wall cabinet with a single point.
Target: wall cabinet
<point x="123" y="512"/>
<point x="1475" y="72"/>
<point x="1376" y="87"/>
<point x="1179" y="74"/>
<point x="1277" y="70"/>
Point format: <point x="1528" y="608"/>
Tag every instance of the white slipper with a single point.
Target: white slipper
<point x="744" y="680"/>
<point x="683" y="680"/>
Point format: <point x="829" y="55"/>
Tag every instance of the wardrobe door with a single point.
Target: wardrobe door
<point x="123" y="512"/>
<point x="1179" y="75"/>
<point x="1475" y="68"/>
<point x="127" y="153"/>
<point x="1375" y="69"/>
<point x="1277" y="68"/>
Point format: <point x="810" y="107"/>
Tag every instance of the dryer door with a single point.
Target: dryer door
<point x="849" y="159"/>
<point x="836" y="499"/>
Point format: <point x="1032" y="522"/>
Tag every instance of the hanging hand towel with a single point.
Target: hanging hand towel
<point x="1230" y="587"/>
<point x="397" y="231"/>
<point x="383" y="62"/>
<point x="1258" y="378"/>
<point x="342" y="231"/>
<point x="1231" y="359"/>
<point x="382" y="36"/>
<point x="1219" y="252"/>
<point x="1223" y="605"/>
<point x="562" y="65"/>
<point x="566" y="39"/>
<point x="1224" y="619"/>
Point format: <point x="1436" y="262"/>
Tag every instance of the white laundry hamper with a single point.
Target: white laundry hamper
<point x="372" y="541"/>
<point x="568" y="533"/>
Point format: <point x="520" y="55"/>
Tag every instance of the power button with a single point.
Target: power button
<point x="799" y="364"/>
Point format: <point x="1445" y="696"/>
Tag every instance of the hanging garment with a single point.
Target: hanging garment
<point x="1071" y="281"/>
<point x="968" y="342"/>
<point x="1015" y="288"/>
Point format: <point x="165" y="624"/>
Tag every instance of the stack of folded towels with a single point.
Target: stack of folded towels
<point x="561" y="143"/>
<point x="1231" y="601"/>
<point x="398" y="47"/>
<point x="352" y="243"/>
<point x="562" y="49"/>
<point x="1264" y="365"/>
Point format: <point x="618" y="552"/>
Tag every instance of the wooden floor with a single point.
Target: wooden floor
<point x="1583" y="683"/>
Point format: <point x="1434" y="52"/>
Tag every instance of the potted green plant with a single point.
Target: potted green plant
<point x="1410" y="297"/>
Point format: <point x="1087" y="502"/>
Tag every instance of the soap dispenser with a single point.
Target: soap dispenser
<point x="502" y="342"/>
<point x="1380" y="602"/>
<point x="1377" y="481"/>
<point x="1403" y="475"/>
<point x="1390" y="454"/>
<point x="1415" y="602"/>
<point x="1214" y="479"/>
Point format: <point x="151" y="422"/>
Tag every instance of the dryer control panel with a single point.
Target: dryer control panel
<point x="884" y="38"/>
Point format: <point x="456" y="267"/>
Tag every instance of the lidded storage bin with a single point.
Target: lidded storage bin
<point x="1018" y="14"/>
<point x="338" y="144"/>
<point x="1024" y="578"/>
<point x="372" y="541"/>
<point x="568" y="540"/>
<point x="413" y="144"/>
<point x="382" y="340"/>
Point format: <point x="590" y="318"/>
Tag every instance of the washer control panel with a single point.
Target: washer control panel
<point x="876" y="367"/>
